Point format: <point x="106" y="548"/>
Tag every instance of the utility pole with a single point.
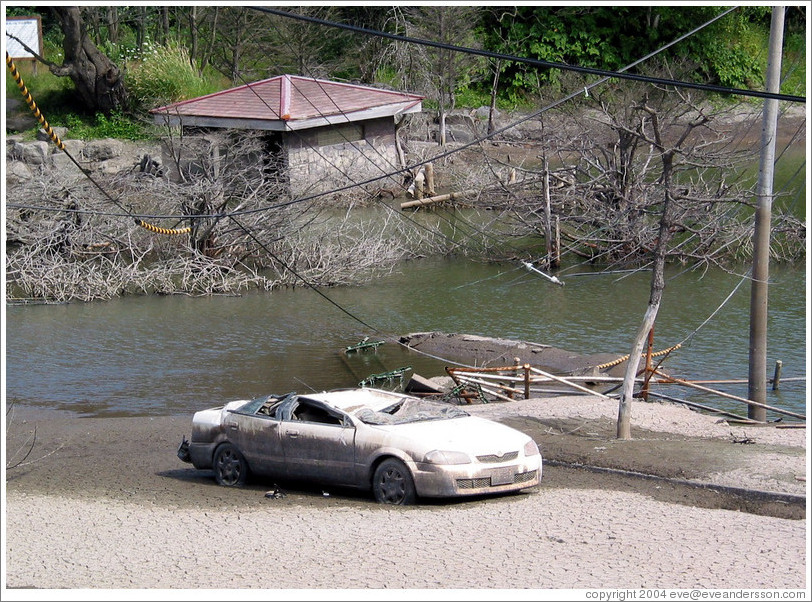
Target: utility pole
<point x="757" y="380"/>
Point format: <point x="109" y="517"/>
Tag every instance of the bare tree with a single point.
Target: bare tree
<point x="441" y="72"/>
<point x="607" y="179"/>
<point x="239" y="43"/>
<point x="246" y="233"/>
<point x="658" y="178"/>
<point x="112" y="23"/>
<point x="666" y="153"/>
<point x="301" y="47"/>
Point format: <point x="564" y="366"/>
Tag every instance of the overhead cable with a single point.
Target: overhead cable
<point x="535" y="62"/>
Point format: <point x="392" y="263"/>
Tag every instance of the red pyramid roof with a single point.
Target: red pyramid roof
<point x="290" y="101"/>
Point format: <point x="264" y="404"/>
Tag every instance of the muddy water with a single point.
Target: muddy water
<point x="173" y="355"/>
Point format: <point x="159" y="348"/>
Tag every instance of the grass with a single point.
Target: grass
<point x="166" y="75"/>
<point x="793" y="65"/>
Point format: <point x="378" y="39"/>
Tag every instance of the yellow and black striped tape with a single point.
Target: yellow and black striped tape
<point x="33" y="105"/>
<point x="61" y="146"/>
<point x="159" y="230"/>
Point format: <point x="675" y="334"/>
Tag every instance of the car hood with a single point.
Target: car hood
<point x="470" y="434"/>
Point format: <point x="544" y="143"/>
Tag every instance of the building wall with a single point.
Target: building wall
<point x="325" y="159"/>
<point x="312" y="161"/>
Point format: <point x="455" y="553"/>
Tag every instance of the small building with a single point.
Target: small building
<point x="325" y="134"/>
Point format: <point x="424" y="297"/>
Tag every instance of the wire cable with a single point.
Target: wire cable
<point x="535" y="62"/>
<point x="32" y="105"/>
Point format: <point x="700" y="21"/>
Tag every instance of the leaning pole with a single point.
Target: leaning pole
<point x="757" y="380"/>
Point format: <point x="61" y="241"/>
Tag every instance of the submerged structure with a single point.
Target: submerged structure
<point x="319" y="134"/>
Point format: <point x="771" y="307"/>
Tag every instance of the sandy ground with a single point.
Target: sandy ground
<point x="105" y="503"/>
<point x="668" y="440"/>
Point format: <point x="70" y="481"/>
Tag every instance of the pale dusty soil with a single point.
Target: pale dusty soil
<point x="668" y="440"/>
<point x="104" y="503"/>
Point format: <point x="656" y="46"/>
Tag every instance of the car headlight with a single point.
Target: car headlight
<point x="446" y="457"/>
<point x="531" y="449"/>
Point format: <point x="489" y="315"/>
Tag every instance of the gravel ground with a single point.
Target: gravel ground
<point x="105" y="504"/>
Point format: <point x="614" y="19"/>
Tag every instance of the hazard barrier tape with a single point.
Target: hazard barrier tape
<point x="61" y="145"/>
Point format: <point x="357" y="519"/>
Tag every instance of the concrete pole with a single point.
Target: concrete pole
<point x="757" y="380"/>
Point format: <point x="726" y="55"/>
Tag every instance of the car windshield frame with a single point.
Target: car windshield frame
<point x="264" y="406"/>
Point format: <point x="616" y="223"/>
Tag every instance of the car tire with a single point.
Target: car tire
<point x="230" y="467"/>
<point x="392" y="483"/>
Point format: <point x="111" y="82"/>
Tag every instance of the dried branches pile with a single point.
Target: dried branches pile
<point x="605" y="183"/>
<point x="67" y="241"/>
<point x="605" y="180"/>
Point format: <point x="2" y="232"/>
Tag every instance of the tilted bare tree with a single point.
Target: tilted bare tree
<point x="98" y="80"/>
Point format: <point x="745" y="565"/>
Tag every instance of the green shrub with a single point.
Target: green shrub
<point x="165" y="76"/>
<point x="793" y="65"/>
<point x="116" y="125"/>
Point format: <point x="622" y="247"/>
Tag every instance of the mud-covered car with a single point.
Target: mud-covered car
<point x="398" y="446"/>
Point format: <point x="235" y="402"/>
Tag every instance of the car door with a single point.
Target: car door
<point x="257" y="437"/>
<point x="319" y="443"/>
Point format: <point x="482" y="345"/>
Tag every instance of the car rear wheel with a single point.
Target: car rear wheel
<point x="230" y="468"/>
<point x="393" y="484"/>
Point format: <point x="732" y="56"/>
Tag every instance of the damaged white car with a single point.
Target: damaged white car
<point x="400" y="447"/>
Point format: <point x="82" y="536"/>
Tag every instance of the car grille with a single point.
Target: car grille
<point x="494" y="458"/>
<point x="524" y="477"/>
<point x="482" y="482"/>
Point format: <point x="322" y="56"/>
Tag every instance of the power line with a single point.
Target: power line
<point x="535" y="62"/>
<point x="415" y="165"/>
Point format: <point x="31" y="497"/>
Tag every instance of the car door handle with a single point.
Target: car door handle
<point x="233" y="426"/>
<point x="293" y="434"/>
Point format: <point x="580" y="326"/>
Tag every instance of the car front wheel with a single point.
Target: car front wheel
<point x="230" y="468"/>
<point x="393" y="484"/>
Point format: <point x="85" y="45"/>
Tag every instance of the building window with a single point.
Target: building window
<point x="339" y="134"/>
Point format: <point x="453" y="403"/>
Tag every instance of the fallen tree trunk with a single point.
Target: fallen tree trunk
<point x="440" y="198"/>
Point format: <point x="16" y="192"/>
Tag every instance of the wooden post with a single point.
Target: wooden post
<point x="418" y="181"/>
<point x="648" y="372"/>
<point x="430" y="179"/>
<point x="777" y="374"/>
<point x="548" y="229"/>
<point x="516" y="362"/>
<point x="557" y="250"/>
<point x="527" y="381"/>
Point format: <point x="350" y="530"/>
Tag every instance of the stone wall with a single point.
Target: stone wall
<point x="314" y="169"/>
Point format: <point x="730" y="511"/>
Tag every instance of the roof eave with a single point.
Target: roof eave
<point x="176" y="120"/>
<point x="390" y="110"/>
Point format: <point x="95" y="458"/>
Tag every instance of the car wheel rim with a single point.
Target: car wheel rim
<point x="229" y="468"/>
<point x="393" y="486"/>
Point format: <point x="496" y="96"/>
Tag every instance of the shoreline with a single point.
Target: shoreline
<point x="105" y="503"/>
<point x="669" y="441"/>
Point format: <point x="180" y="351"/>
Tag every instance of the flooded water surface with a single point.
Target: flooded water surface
<point x="174" y="355"/>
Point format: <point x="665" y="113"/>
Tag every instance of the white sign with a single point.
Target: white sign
<point x="27" y="30"/>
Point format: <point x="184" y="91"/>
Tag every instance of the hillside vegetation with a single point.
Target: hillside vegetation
<point x="171" y="53"/>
